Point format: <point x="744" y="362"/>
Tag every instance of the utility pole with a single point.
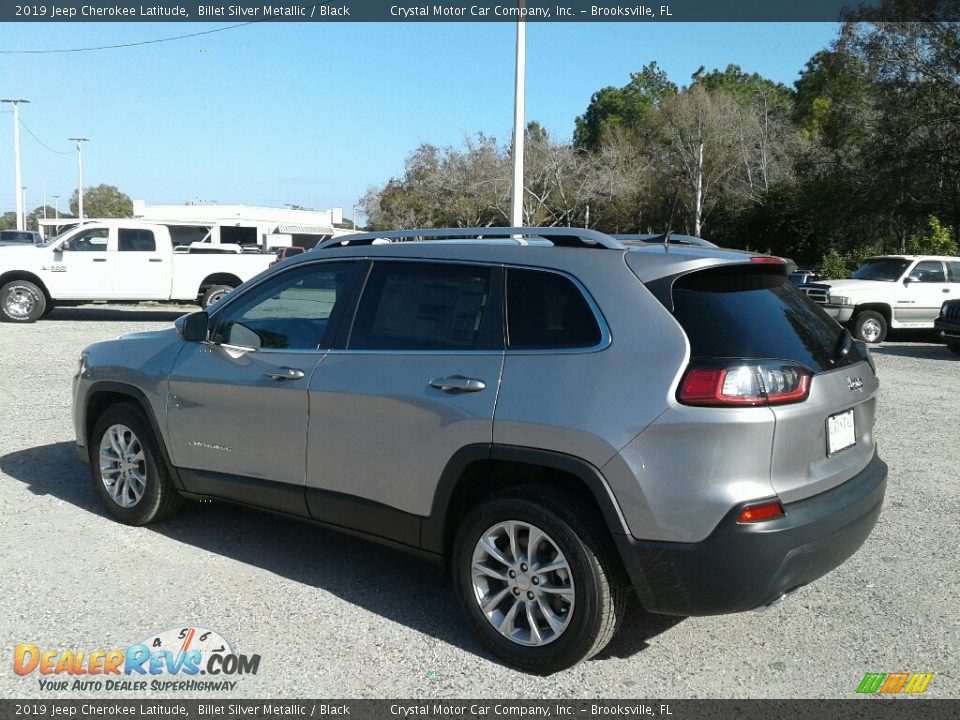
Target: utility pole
<point x="79" y="140"/>
<point x="516" y="201"/>
<point x="16" y="157"/>
<point x="56" y="206"/>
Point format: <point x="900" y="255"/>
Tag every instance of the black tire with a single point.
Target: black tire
<point x="598" y="579"/>
<point x="22" y="301"/>
<point x="954" y="348"/>
<point x="51" y="306"/>
<point x="214" y="293"/>
<point x="870" y="326"/>
<point x="159" y="498"/>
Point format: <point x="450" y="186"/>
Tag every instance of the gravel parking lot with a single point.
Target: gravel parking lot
<point x="333" y="616"/>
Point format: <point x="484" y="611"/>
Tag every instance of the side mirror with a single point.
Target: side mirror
<point x="193" y="327"/>
<point x="907" y="280"/>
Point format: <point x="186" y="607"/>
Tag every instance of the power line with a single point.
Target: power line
<point x="124" y="45"/>
<point x="58" y="152"/>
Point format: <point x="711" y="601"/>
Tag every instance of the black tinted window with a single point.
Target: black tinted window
<point x="425" y="306"/>
<point x="888" y="269"/>
<point x="136" y="240"/>
<point x="753" y="313"/>
<point x="546" y="310"/>
<point x="293" y="311"/>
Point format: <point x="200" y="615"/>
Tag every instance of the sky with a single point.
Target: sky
<point x="315" y="113"/>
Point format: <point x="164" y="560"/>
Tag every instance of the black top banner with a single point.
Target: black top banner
<point x="220" y="11"/>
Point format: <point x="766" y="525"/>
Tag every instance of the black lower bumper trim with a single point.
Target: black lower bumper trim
<point x="742" y="567"/>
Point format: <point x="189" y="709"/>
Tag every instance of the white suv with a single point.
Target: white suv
<point x="890" y="291"/>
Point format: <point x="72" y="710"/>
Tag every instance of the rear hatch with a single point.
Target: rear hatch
<point x="763" y="343"/>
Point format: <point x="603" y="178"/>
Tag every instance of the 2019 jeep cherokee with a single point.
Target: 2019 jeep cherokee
<point x="556" y="415"/>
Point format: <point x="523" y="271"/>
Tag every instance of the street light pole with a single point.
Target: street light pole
<point x="516" y="202"/>
<point x="79" y="140"/>
<point x="56" y="207"/>
<point x="16" y="157"/>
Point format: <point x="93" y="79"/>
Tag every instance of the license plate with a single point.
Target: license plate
<point x="841" y="433"/>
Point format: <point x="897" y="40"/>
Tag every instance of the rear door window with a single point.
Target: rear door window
<point x="136" y="240"/>
<point x="426" y="306"/>
<point x="737" y="312"/>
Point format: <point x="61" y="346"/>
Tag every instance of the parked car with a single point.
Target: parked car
<point x="947" y="325"/>
<point x="554" y="416"/>
<point x="890" y="291"/>
<point x="286" y="252"/>
<point x="802" y="277"/>
<point x="20" y="237"/>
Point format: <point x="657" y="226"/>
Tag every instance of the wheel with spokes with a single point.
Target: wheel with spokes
<point x="128" y="470"/>
<point x="537" y="578"/>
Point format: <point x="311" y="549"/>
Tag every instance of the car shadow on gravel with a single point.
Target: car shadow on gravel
<point x="387" y="582"/>
<point x="135" y="313"/>
<point x="919" y="352"/>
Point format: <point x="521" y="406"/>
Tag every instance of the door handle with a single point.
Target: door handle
<point x="99" y="259"/>
<point x="285" y="374"/>
<point x="155" y="260"/>
<point x="458" y="383"/>
<point x="946" y="290"/>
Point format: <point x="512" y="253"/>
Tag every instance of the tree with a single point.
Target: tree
<point x="102" y="201"/>
<point x="700" y="127"/>
<point x="627" y="107"/>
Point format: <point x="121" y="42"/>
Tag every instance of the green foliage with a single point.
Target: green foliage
<point x="745" y="88"/>
<point x="8" y="221"/>
<point x="934" y="240"/>
<point x="102" y="201"/>
<point x="627" y="107"/>
<point x="833" y="266"/>
<point x="861" y="157"/>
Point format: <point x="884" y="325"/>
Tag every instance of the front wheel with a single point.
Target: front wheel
<point x="22" y="301"/>
<point x="538" y="579"/>
<point x="870" y="326"/>
<point x="128" y="470"/>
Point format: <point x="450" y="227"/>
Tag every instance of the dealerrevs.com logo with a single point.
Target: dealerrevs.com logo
<point x="894" y="683"/>
<point x="172" y="660"/>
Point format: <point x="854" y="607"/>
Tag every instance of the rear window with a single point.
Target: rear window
<point x="753" y="313"/>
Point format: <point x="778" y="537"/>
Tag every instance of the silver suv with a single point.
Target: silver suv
<point x="555" y="415"/>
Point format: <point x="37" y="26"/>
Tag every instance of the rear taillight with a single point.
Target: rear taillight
<point x="770" y="259"/>
<point x="742" y="383"/>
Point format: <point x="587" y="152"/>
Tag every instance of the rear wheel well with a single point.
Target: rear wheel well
<point x="484" y="478"/>
<point x="218" y="279"/>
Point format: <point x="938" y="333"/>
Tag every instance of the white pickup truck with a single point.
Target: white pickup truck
<point x="890" y="291"/>
<point x="119" y="260"/>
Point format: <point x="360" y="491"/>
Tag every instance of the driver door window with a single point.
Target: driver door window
<point x="295" y="311"/>
<point x="94" y="240"/>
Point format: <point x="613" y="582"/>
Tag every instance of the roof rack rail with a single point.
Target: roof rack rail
<point x="559" y="236"/>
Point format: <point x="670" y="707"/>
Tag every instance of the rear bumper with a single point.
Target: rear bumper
<point x="742" y="567"/>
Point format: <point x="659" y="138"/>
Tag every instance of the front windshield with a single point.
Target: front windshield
<point x="886" y="269"/>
